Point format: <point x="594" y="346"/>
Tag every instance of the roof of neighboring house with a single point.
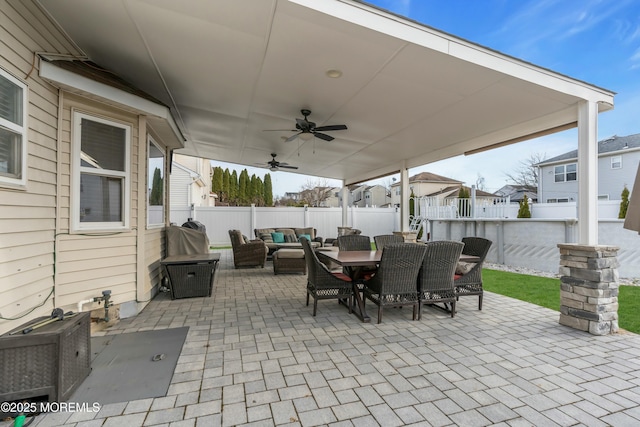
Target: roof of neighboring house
<point x="515" y="188"/>
<point x="429" y="177"/>
<point x="609" y="145"/>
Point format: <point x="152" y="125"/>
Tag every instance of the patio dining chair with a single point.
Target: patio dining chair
<point x="387" y="239"/>
<point x="395" y="282"/>
<point x="435" y="280"/>
<point x="470" y="283"/>
<point x="322" y="283"/>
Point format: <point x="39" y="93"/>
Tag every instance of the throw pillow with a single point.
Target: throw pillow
<point x="306" y="230"/>
<point x="277" y="237"/>
<point x="266" y="237"/>
<point x="464" y="267"/>
<point x="306" y="236"/>
<point x="290" y="238"/>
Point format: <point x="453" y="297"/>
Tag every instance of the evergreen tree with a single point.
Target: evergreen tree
<point x="155" y="197"/>
<point x="243" y="188"/>
<point x="268" y="191"/>
<point x="226" y="176"/>
<point x="233" y="188"/>
<point x="216" y="181"/>
<point x="253" y="189"/>
<point x="624" y="204"/>
<point x="524" y="211"/>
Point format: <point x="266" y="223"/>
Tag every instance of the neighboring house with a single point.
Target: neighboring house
<point x="618" y="159"/>
<point x="78" y="152"/>
<point x="517" y="192"/>
<point x="427" y="184"/>
<point x="333" y="199"/>
<point x="371" y="195"/>
<point x="191" y="182"/>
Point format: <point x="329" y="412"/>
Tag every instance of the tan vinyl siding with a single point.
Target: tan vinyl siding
<point x="154" y="252"/>
<point x="86" y="262"/>
<point x="27" y="215"/>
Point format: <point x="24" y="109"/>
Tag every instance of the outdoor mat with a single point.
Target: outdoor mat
<point x="131" y="366"/>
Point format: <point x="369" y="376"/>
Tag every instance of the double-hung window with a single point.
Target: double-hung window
<point x="564" y="173"/>
<point x="101" y="162"/>
<point x="616" y="162"/>
<point x="13" y="130"/>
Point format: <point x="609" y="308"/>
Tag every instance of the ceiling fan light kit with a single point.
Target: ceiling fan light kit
<point x="308" y="130"/>
<point x="275" y="165"/>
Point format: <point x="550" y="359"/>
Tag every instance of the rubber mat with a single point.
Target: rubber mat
<point x="131" y="366"/>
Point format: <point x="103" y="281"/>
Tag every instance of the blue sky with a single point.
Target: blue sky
<point x="597" y="41"/>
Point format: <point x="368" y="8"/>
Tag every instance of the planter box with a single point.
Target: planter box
<point x="48" y="363"/>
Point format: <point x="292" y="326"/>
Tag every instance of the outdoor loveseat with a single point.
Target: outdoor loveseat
<point x="287" y="235"/>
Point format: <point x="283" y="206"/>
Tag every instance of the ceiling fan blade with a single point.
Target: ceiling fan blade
<point x="287" y="166"/>
<point x="323" y="136"/>
<point x="331" y="127"/>
<point x="279" y="130"/>
<point x="304" y="124"/>
<point x="292" y="137"/>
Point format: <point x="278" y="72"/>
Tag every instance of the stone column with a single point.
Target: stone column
<point x="589" y="288"/>
<point x="408" y="236"/>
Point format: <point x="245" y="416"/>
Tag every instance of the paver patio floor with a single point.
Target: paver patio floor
<point x="254" y="355"/>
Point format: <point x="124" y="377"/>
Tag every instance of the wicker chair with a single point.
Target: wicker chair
<point x="247" y="253"/>
<point x="321" y="283"/>
<point x="471" y="283"/>
<point x="395" y="282"/>
<point x="387" y="239"/>
<point x="356" y="242"/>
<point x="435" y="280"/>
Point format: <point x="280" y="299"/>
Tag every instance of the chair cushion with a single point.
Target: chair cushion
<point x="277" y="237"/>
<point x="306" y="236"/>
<point x="290" y="253"/>
<point x="305" y="231"/>
<point x="342" y="276"/>
<point x="464" y="267"/>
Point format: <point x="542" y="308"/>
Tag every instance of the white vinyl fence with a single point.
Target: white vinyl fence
<point x="220" y="219"/>
<point x="529" y="243"/>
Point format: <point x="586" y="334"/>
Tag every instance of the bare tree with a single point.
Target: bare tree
<point x="313" y="193"/>
<point x="480" y="183"/>
<point x="526" y="173"/>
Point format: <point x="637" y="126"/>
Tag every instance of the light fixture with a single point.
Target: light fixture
<point x="334" y="74"/>
<point x="306" y="136"/>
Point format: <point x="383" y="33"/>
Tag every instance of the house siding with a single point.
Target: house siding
<point x="180" y="188"/>
<point x="611" y="182"/>
<point x="28" y="215"/>
<point x="43" y="262"/>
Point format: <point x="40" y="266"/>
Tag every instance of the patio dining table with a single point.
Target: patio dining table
<point x="364" y="259"/>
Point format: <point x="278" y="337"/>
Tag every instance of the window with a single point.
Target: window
<point x="155" y="184"/>
<point x="101" y="153"/>
<point x="616" y="162"/>
<point x="13" y="130"/>
<point x="566" y="172"/>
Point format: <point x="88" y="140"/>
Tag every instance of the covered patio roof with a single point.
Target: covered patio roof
<point x="409" y="94"/>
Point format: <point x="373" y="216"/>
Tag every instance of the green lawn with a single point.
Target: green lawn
<point x="545" y="292"/>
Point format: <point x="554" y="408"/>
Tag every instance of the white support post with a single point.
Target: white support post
<point x="588" y="173"/>
<point x="345" y="205"/>
<point x="404" y="198"/>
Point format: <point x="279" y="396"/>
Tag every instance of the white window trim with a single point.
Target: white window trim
<point x="564" y="173"/>
<point x="164" y="185"/>
<point x="22" y="130"/>
<point x="76" y="225"/>
<point x="619" y="161"/>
